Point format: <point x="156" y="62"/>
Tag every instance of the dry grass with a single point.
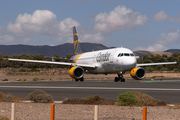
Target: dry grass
<point x="5" y="79"/>
<point x="1" y="96"/>
<point x="146" y="100"/>
<point x="9" y="98"/>
<point x="35" y="79"/>
<point x="158" y="76"/>
<point x="4" y="118"/>
<point x="91" y="100"/>
<point x="176" y="106"/>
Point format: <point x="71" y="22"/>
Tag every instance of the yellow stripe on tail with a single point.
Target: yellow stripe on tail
<point x="77" y="48"/>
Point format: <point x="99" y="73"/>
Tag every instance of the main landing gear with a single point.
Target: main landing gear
<point x="81" y="79"/>
<point x="120" y="77"/>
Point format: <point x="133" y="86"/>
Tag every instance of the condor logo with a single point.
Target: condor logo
<point x="103" y="57"/>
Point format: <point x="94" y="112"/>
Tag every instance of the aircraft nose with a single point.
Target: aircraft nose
<point x="130" y="63"/>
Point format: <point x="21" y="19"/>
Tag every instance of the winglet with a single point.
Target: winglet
<point x="77" y="48"/>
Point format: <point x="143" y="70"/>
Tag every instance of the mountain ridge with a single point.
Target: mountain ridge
<point x="67" y="48"/>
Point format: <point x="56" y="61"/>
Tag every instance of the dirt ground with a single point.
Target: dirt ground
<point x="88" y="77"/>
<point x="42" y="111"/>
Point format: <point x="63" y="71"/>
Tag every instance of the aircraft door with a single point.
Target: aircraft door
<point x="112" y="56"/>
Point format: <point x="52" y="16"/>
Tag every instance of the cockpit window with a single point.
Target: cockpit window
<point x="119" y="55"/>
<point x="126" y="54"/>
<point x="131" y="54"/>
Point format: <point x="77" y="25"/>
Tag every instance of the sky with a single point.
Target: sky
<point x="152" y="25"/>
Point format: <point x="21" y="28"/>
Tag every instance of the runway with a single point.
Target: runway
<point x="168" y="91"/>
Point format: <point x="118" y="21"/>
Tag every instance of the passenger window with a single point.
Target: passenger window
<point x="126" y="54"/>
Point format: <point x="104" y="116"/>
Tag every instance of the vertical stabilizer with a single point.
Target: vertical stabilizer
<point x="77" y="48"/>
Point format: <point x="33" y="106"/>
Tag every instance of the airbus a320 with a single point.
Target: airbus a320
<point x="116" y="60"/>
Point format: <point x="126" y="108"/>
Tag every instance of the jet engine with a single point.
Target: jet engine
<point x="76" y="72"/>
<point x="137" y="73"/>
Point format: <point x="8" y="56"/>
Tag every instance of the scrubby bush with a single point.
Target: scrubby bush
<point x="91" y="100"/>
<point x="22" y="70"/>
<point x="127" y="99"/>
<point x="5" y="79"/>
<point x="146" y="100"/>
<point x="35" y="79"/>
<point x="176" y="106"/>
<point x="1" y="96"/>
<point x="96" y="100"/>
<point x="39" y="96"/>
<point x="132" y="98"/>
<point x="4" y="118"/>
<point x="34" y="70"/>
<point x="9" y="98"/>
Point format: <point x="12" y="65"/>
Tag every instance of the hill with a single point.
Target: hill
<point x="67" y="48"/>
<point x="46" y="50"/>
<point x="148" y="53"/>
<point x="173" y="50"/>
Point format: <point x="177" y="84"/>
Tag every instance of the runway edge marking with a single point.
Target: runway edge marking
<point x="98" y="88"/>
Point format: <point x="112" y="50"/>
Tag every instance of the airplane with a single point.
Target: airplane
<point x="115" y="60"/>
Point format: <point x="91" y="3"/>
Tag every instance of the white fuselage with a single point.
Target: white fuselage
<point x="108" y="61"/>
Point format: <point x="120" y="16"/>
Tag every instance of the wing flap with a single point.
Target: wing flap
<point x="151" y="64"/>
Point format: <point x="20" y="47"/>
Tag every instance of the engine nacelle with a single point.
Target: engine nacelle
<point x="137" y="73"/>
<point x="76" y="72"/>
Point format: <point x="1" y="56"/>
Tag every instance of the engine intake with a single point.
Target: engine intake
<point x="138" y="73"/>
<point x="76" y="72"/>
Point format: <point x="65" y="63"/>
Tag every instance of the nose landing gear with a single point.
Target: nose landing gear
<point x="120" y="77"/>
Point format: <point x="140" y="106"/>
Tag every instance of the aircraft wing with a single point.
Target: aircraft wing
<point x="151" y="64"/>
<point x="51" y="62"/>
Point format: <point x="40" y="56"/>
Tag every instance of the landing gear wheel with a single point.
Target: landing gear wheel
<point x="122" y="80"/>
<point x="76" y="80"/>
<point x="81" y="79"/>
<point x="120" y="77"/>
<point x="116" y="79"/>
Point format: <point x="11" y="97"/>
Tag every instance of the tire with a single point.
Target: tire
<point x="116" y="79"/>
<point x="81" y="79"/>
<point x="123" y="80"/>
<point x="76" y="80"/>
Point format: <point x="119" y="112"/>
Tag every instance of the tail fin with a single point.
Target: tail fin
<point x="77" y="48"/>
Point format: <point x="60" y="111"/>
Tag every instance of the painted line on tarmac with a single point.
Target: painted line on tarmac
<point x="95" y="88"/>
<point x="160" y="81"/>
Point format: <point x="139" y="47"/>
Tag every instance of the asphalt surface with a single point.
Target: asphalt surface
<point x="168" y="91"/>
